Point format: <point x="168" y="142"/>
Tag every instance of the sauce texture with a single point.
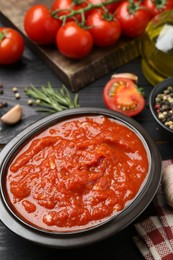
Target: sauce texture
<point x="76" y="174"/>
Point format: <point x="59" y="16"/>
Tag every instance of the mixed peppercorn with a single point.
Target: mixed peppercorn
<point x="164" y="107"/>
<point x="16" y="95"/>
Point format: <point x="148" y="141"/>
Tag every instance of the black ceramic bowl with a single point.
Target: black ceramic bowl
<point x="158" y="89"/>
<point x="105" y="229"/>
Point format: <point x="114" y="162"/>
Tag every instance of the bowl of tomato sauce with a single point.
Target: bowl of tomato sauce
<point x="77" y="176"/>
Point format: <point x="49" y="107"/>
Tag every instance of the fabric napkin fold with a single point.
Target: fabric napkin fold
<point x="154" y="237"/>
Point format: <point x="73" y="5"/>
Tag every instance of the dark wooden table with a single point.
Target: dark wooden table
<point x="31" y="70"/>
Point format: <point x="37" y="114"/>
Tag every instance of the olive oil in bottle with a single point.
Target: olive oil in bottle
<point x="157" y="48"/>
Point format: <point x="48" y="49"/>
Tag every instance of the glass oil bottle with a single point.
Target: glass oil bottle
<point x="157" y="48"/>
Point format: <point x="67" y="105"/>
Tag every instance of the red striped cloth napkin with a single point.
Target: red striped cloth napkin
<point x="154" y="237"/>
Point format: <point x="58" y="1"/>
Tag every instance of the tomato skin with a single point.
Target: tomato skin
<point x="11" y="46"/>
<point x="40" y="26"/>
<point x="61" y="4"/>
<point x="81" y="41"/>
<point x="124" y="98"/>
<point x="133" y="24"/>
<point x="111" y="7"/>
<point x="158" y="8"/>
<point x="68" y="4"/>
<point x="105" y="33"/>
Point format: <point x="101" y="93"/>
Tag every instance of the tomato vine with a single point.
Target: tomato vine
<point x="81" y="11"/>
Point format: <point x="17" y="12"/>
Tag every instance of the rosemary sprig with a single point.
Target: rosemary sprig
<point x="50" y="99"/>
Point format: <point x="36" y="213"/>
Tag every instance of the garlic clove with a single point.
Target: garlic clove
<point x="131" y="76"/>
<point x="13" y="116"/>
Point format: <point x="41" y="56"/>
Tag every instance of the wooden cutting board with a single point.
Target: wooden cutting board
<point x="75" y="74"/>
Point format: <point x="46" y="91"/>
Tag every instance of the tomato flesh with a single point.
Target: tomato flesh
<point x="122" y="95"/>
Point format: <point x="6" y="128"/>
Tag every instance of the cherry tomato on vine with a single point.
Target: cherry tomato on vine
<point x="73" y="41"/>
<point x="61" y="4"/>
<point x="133" y="18"/>
<point x="122" y="95"/>
<point x="68" y="4"/>
<point x="40" y="26"/>
<point x="11" y="45"/>
<point x="110" y="7"/>
<point x="158" y="6"/>
<point x="105" y="31"/>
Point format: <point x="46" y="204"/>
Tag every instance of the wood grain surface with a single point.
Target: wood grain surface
<point x="75" y="74"/>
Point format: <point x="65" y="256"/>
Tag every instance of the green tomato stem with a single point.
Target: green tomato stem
<point x="160" y="4"/>
<point x="80" y="11"/>
<point x="2" y="36"/>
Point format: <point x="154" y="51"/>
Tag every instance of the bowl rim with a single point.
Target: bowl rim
<point x="115" y="224"/>
<point x="155" y="91"/>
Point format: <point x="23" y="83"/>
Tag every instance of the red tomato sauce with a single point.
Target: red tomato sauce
<point x="77" y="173"/>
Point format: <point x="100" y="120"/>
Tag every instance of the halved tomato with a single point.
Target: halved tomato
<point x="122" y="94"/>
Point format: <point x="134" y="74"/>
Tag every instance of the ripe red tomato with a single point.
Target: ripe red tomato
<point x="105" y="32"/>
<point x="40" y="26"/>
<point x="157" y="7"/>
<point x="11" y="45"/>
<point x="111" y="7"/>
<point x="61" y="4"/>
<point x="68" y="4"/>
<point x="122" y="95"/>
<point x="73" y="41"/>
<point x="133" y="18"/>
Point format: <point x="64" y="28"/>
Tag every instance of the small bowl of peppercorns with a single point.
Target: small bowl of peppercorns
<point x="161" y="104"/>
